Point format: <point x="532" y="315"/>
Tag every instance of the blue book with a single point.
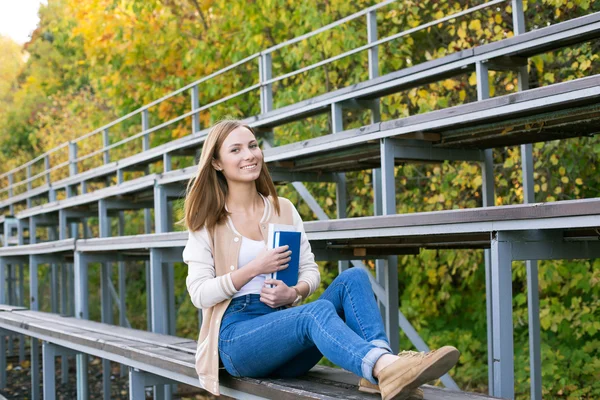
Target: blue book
<point x="291" y="239"/>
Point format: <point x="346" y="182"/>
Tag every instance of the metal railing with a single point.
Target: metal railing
<point x="265" y="85"/>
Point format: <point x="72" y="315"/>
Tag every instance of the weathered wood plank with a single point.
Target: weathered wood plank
<point x="8" y="307"/>
<point x="112" y="330"/>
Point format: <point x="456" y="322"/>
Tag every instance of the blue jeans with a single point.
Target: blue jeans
<point x="344" y="325"/>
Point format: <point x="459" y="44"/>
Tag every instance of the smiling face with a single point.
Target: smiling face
<point x="240" y="158"/>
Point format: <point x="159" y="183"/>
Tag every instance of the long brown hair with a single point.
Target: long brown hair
<point x="207" y="191"/>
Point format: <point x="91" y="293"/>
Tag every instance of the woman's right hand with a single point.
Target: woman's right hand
<point x="272" y="260"/>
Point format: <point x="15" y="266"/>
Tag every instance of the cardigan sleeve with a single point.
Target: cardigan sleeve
<point x="309" y="270"/>
<point x="205" y="288"/>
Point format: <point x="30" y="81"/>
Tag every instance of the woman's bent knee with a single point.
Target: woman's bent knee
<point x="354" y="274"/>
<point x="321" y="307"/>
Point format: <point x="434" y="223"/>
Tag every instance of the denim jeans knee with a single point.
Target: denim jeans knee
<point x="355" y="274"/>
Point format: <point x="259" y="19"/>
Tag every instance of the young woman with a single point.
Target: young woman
<point x="256" y="326"/>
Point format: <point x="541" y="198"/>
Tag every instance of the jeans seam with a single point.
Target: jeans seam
<point x="320" y="327"/>
<point x="235" y="312"/>
<point x="360" y="324"/>
<point x="230" y="362"/>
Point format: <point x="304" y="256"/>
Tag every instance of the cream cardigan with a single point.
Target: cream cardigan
<point x="211" y="258"/>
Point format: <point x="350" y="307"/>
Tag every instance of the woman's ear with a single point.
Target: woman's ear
<point x="216" y="165"/>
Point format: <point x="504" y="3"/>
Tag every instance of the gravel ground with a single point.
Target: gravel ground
<point x="18" y="376"/>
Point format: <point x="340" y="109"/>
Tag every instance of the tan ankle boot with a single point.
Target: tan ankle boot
<point x="398" y="380"/>
<point x="367" y="387"/>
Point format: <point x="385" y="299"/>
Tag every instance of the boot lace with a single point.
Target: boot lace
<point x="409" y="353"/>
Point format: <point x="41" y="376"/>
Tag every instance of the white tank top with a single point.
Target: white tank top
<point x="248" y="252"/>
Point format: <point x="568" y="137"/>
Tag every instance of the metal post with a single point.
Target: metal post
<point x="337" y="125"/>
<point x="35" y="368"/>
<point x="145" y="127"/>
<point x="157" y="299"/>
<point x="54" y="288"/>
<point x="48" y="370"/>
<point x="373" y="51"/>
<point x="503" y="347"/>
<point x="81" y="312"/>
<point x="107" y="318"/>
<point x="64" y="371"/>
<point x="195" y="105"/>
<point x="148" y="297"/>
<point x="72" y="158"/>
<point x="487" y="171"/>
<point x="388" y="189"/>
<point x="167" y="164"/>
<point x="160" y="209"/>
<point x="29" y="185"/>
<point x="2" y="334"/>
<point x="533" y="301"/>
<point x="159" y="306"/>
<point x="337" y="118"/>
<point x="33" y="283"/>
<point x="341" y="204"/>
<point x="3" y="283"/>
<point x="105" y="144"/>
<point x="137" y="389"/>
<point x="106" y="303"/>
<point x="11" y="180"/>
<point x="21" y="303"/>
<point x="518" y="17"/>
<point x="47" y="167"/>
<point x="3" y="338"/>
<point x="122" y="288"/>
<point x="265" y="71"/>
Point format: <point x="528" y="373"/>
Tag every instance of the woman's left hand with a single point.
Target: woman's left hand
<point x="280" y="295"/>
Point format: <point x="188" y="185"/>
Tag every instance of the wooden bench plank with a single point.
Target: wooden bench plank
<point x="135" y="335"/>
<point x="321" y="383"/>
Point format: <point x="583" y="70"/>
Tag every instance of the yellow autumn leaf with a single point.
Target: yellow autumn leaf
<point x="579" y="181"/>
<point x="449" y="84"/>
<point x="475" y="25"/>
<point x="564" y="179"/>
<point x="498" y="19"/>
<point x="461" y="33"/>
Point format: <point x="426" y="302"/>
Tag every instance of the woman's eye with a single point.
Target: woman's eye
<point x="234" y="150"/>
<point x="253" y="146"/>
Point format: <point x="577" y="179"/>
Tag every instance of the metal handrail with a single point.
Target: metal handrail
<point x="262" y="83"/>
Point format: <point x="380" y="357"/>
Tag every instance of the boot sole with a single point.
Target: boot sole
<point x="368" y="390"/>
<point x="437" y="368"/>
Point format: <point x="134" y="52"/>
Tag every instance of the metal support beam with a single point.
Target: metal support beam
<point x="138" y="380"/>
<point x="265" y="70"/>
<point x="33" y="283"/>
<point x="195" y="105"/>
<point x="388" y="191"/>
<point x="341" y="204"/>
<point x="158" y="292"/>
<point x="337" y="118"/>
<point x="145" y="127"/>
<point x="81" y="311"/>
<point x="49" y="370"/>
<point x="424" y="151"/>
<point x="35" y="368"/>
<point x="487" y="171"/>
<point x="105" y="144"/>
<point x="64" y="308"/>
<point x="281" y="175"/>
<point x="503" y="346"/>
<point x="3" y="338"/>
<point x="72" y="158"/>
